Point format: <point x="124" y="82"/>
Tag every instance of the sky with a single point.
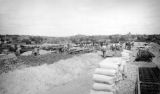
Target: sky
<point x="72" y="17"/>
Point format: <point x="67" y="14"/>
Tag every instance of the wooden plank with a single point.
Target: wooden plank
<point x="149" y="88"/>
<point x="149" y="75"/>
<point x="148" y="80"/>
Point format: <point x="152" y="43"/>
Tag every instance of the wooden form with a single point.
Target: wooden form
<point x="149" y="85"/>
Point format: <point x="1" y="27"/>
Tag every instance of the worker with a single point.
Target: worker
<point x="18" y="50"/>
<point x="104" y="48"/>
<point x="35" y="52"/>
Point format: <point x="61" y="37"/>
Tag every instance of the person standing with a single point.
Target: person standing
<point x="18" y="50"/>
<point x="104" y="48"/>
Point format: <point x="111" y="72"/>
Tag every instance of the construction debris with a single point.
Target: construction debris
<point x="144" y="55"/>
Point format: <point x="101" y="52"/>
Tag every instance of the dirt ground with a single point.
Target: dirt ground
<point x="72" y="74"/>
<point x="81" y="85"/>
<point x="29" y="61"/>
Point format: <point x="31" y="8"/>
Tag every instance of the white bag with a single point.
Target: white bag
<point x="108" y="66"/>
<point x="103" y="87"/>
<point x="103" y="79"/>
<point x="121" y="68"/>
<point x="100" y="92"/>
<point x="107" y="72"/>
<point x="113" y="60"/>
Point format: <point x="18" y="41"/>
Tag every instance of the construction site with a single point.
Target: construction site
<point x="124" y="69"/>
<point x="79" y="47"/>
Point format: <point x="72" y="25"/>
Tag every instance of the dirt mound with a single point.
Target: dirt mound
<point x="155" y="48"/>
<point x="37" y="80"/>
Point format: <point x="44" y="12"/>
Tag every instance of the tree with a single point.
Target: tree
<point x="122" y="38"/>
<point x="27" y="41"/>
<point x="37" y="40"/>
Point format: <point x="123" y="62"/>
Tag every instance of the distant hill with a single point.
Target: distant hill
<point x="78" y="38"/>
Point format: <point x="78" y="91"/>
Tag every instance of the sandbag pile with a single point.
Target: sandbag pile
<point x="125" y="55"/>
<point x="106" y="76"/>
<point x="144" y="55"/>
<point x="125" y="58"/>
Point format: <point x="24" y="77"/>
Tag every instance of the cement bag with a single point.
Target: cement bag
<point x="122" y="66"/>
<point x="124" y="54"/>
<point x="103" y="87"/>
<point x="114" y="60"/>
<point x="125" y="58"/>
<point x="126" y="51"/>
<point x="107" y="72"/>
<point x="108" y="66"/>
<point x="103" y="79"/>
<point x="100" y="92"/>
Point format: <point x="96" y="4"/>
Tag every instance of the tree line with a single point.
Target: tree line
<point x="79" y="38"/>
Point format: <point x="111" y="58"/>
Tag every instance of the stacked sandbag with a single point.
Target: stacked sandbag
<point x="104" y="79"/>
<point x="116" y="63"/>
<point x="105" y="76"/>
<point x="110" y="66"/>
<point x="111" y="63"/>
<point x="122" y="66"/>
<point x="125" y="55"/>
<point x="103" y="87"/>
<point x="104" y="71"/>
<point x="100" y="92"/>
<point x="125" y="58"/>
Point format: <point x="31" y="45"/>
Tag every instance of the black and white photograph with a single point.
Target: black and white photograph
<point x="79" y="46"/>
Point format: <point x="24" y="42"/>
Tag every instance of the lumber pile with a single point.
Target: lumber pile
<point x="148" y="80"/>
<point x="144" y="55"/>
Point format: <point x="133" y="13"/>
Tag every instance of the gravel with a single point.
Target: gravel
<point x="127" y="86"/>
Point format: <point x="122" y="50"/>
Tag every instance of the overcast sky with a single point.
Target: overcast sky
<point x="71" y="17"/>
